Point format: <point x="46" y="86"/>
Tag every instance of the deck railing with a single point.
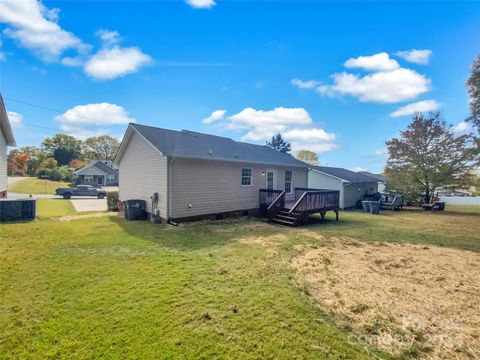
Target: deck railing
<point x="268" y="196"/>
<point x="271" y="202"/>
<point x="316" y="200"/>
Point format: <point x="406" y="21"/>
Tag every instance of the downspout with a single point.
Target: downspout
<point x="169" y="188"/>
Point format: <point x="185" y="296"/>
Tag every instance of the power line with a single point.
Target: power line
<point x="56" y="111"/>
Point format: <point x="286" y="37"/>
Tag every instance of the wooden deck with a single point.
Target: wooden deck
<point x="296" y="212"/>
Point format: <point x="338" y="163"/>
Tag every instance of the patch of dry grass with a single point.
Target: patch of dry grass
<point x="400" y="298"/>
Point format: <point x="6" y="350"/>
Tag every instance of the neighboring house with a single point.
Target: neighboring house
<point x="440" y="192"/>
<point x="352" y="186"/>
<point x="382" y="180"/>
<point x="197" y="174"/>
<point x="97" y="173"/>
<point x="6" y="139"/>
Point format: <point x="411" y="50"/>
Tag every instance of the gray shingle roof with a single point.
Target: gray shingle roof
<point x="350" y="176"/>
<point x="377" y="177"/>
<point x="192" y="144"/>
<point x="105" y="168"/>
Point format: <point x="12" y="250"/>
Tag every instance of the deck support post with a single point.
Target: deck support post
<point x="336" y="215"/>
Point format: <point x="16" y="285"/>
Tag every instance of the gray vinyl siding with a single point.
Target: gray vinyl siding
<point x="354" y="192"/>
<point x="211" y="186"/>
<point x="3" y="162"/>
<point x="143" y="171"/>
<point x="350" y="193"/>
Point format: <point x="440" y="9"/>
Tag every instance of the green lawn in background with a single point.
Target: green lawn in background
<point x="108" y="288"/>
<point x="32" y="185"/>
<point x="54" y="207"/>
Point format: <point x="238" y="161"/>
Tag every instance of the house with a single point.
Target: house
<point x="6" y="139"/>
<point x="382" y="180"/>
<point x="188" y="175"/>
<point x="97" y="173"/>
<point x="352" y="185"/>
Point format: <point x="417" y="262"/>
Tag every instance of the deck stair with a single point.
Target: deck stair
<point x="283" y="217"/>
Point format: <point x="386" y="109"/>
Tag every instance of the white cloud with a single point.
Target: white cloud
<point x="82" y="133"/>
<point x="34" y="27"/>
<point x="72" y="61"/>
<point x="416" y="56"/>
<point x="114" y="62"/>
<point x="462" y="128"/>
<point x="108" y="37"/>
<point x="295" y="125"/>
<point x="309" y="84"/>
<point x="214" y="116"/>
<point x="100" y="114"/>
<point x="419" y="106"/>
<point x="377" y="62"/>
<point x="381" y="87"/>
<point x="201" y="4"/>
<point x="16" y="119"/>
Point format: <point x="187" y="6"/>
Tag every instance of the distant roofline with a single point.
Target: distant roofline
<point x="5" y="125"/>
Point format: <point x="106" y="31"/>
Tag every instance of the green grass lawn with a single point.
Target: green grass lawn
<point x="32" y="185"/>
<point x="47" y="208"/>
<point x="105" y="287"/>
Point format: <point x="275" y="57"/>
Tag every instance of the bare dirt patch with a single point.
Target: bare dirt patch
<point x="422" y="300"/>
<point x="94" y="215"/>
<point x="267" y="241"/>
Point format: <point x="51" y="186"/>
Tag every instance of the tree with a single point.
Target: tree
<point x="63" y="148"/>
<point x="428" y="155"/>
<point x="277" y="143"/>
<point x="100" y="147"/>
<point x="35" y="158"/>
<point x="308" y="156"/>
<point x="17" y="163"/>
<point x="473" y="85"/>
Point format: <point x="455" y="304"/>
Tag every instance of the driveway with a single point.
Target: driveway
<point x="89" y="204"/>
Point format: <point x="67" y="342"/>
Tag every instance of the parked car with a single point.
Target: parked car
<point x="80" y="190"/>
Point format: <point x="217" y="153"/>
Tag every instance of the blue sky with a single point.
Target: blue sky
<point x="338" y="78"/>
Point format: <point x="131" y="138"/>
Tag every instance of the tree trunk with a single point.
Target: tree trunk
<point x="427" y="193"/>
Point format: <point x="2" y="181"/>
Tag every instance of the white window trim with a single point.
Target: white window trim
<point x="90" y="178"/>
<point x="251" y="177"/>
<point x="291" y="181"/>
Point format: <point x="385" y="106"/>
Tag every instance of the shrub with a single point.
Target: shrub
<point x="112" y="201"/>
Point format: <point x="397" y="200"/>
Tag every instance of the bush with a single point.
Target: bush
<point x="112" y="201"/>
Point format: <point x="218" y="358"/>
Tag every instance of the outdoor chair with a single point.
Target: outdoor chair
<point x="395" y="204"/>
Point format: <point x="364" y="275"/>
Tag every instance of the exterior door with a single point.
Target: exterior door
<point x="100" y="180"/>
<point x="271" y="179"/>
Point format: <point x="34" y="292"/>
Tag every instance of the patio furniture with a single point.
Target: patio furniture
<point x="395" y="204"/>
<point x="433" y="207"/>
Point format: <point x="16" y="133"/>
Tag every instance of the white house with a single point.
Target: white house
<point x="352" y="186"/>
<point x="6" y="139"/>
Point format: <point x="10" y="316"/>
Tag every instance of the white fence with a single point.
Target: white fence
<point x="461" y="200"/>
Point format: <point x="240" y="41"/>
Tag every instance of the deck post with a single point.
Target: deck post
<point x="336" y="214"/>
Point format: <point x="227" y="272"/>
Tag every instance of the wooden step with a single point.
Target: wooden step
<point x="286" y="217"/>
<point x="285" y="222"/>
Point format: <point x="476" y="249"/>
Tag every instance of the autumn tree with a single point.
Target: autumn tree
<point x="279" y="144"/>
<point x="101" y="147"/>
<point x="63" y="148"/>
<point x="427" y="155"/>
<point x="35" y="158"/>
<point x="308" y="156"/>
<point x="17" y="163"/>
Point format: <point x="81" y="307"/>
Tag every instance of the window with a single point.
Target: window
<point x="288" y="181"/>
<point x="246" y="177"/>
<point x="111" y="178"/>
<point x="88" y="178"/>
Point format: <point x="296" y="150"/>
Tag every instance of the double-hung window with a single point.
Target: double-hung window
<point x="246" y="177"/>
<point x="111" y="178"/>
<point x="288" y="181"/>
<point x="88" y="178"/>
